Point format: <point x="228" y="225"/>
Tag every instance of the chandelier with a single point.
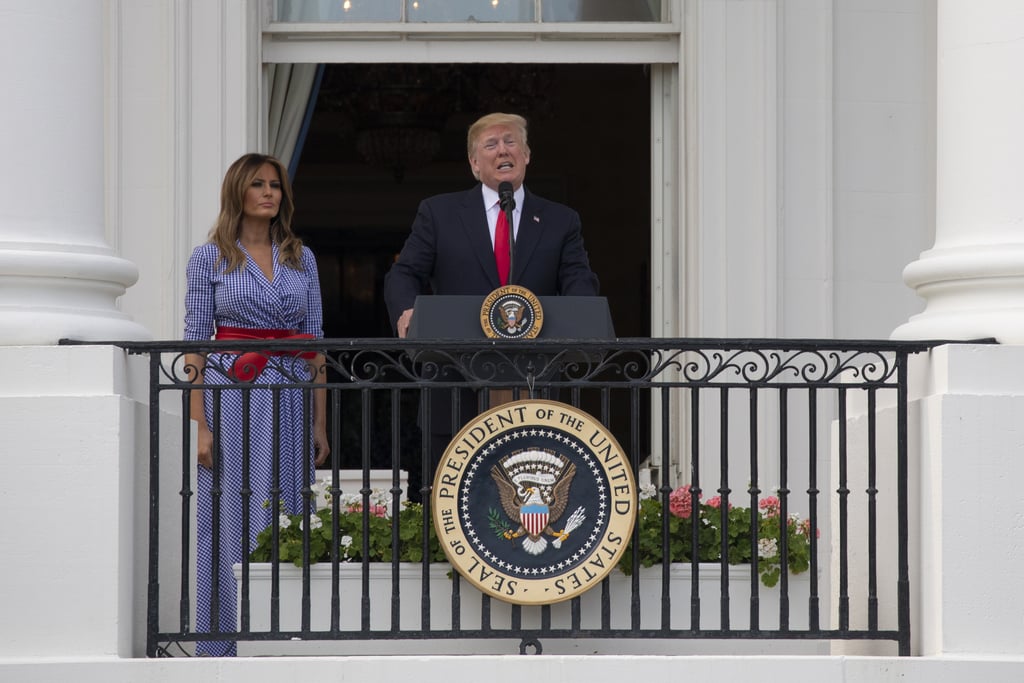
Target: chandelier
<point x="397" y="112"/>
<point x="396" y="128"/>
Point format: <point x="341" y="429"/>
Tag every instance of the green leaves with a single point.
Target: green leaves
<point x="738" y="524"/>
<point x="380" y="543"/>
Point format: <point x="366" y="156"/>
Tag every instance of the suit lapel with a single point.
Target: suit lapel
<point x="474" y="224"/>
<point x="530" y="230"/>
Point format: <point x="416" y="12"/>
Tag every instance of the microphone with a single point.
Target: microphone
<point x="505" y="198"/>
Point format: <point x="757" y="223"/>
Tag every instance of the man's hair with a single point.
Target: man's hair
<point x="496" y="119"/>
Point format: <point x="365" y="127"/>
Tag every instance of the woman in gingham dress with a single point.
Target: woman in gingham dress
<point x="252" y="280"/>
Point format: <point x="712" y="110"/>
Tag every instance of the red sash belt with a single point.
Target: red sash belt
<point x="250" y="364"/>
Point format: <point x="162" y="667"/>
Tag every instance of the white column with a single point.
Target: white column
<point x="58" y="277"/>
<point x="973" y="277"/>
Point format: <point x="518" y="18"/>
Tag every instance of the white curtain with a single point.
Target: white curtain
<point x="290" y="88"/>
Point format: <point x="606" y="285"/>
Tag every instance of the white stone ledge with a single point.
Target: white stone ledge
<point x="517" y="668"/>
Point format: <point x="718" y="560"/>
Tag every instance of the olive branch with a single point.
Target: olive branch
<point x="497" y="522"/>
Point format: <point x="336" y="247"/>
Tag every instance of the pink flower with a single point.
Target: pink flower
<point x="716" y="502"/>
<point x="375" y="510"/>
<point x="770" y="505"/>
<point x="680" y="502"/>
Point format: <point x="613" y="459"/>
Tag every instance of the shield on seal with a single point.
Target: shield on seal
<point x="534" y="518"/>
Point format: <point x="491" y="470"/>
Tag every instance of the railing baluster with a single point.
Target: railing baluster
<point x="754" y="491"/>
<point x="666" y="567"/>
<point x="695" y="478"/>
<point x="813" y="617"/>
<point x="843" y="493"/>
<point x="872" y="503"/>
<point x="723" y="490"/>
<point x="335" y="503"/>
<point x="902" y="505"/>
<point x="784" y="509"/>
<point x="275" y="503"/>
<point x="246" y="517"/>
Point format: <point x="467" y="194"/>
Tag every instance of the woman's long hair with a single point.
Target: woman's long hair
<point x="232" y="202"/>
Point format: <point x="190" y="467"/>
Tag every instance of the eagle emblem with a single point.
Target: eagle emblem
<point x="512" y="315"/>
<point x="533" y="486"/>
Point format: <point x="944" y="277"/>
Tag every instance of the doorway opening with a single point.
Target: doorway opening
<point x="385" y="136"/>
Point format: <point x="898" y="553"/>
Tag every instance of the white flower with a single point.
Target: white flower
<point x="347" y="500"/>
<point x="322" y="492"/>
<point x="314" y="522"/>
<point x="648" y="491"/>
<point x="346" y="544"/>
<point x="381" y="497"/>
<point x="284" y="521"/>
<point x="767" y="547"/>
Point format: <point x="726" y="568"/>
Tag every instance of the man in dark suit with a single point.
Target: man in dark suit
<point x="450" y="250"/>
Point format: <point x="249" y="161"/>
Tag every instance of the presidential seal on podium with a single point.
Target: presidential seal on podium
<point x="511" y="312"/>
<point x="534" y="502"/>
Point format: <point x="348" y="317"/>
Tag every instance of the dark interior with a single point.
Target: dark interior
<point x="385" y="136"/>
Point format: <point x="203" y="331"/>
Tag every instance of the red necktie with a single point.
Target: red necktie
<point x="502" y="257"/>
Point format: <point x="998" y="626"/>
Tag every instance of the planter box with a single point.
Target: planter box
<point x="351" y="482"/>
<point x="409" y="612"/>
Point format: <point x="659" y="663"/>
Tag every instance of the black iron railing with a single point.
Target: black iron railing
<point x="810" y="431"/>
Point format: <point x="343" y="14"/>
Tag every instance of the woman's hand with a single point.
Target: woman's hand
<point x="321" y="448"/>
<point x="204" y="446"/>
<point x="195" y="364"/>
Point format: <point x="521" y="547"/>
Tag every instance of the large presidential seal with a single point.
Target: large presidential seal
<point x="511" y="312"/>
<point x="534" y="502"/>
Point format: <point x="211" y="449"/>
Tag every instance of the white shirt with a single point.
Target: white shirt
<point x="492" y="208"/>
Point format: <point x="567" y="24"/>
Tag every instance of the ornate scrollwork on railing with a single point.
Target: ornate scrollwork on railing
<point x="774" y="366"/>
<point x="369" y="365"/>
<point x="656" y="362"/>
<point x="225" y="368"/>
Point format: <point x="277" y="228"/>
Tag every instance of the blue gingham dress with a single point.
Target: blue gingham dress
<point x="244" y="298"/>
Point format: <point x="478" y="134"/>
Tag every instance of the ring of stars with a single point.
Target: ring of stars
<point x="590" y="464"/>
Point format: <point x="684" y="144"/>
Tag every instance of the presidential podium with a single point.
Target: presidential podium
<point x="458" y="317"/>
<point x="571" y="318"/>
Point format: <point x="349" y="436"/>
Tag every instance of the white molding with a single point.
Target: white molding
<point x="112" y="122"/>
<point x="829" y="164"/>
<point x="182" y="163"/>
<point x="737" y="104"/>
<point x="668" y="254"/>
<point x="440" y="49"/>
<point x="774" y="84"/>
<point x="284" y="32"/>
<point x="460" y="42"/>
<point x="668" y="244"/>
